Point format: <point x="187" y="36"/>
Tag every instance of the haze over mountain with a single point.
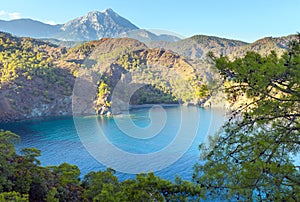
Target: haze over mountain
<point x="29" y="28"/>
<point x="93" y="26"/>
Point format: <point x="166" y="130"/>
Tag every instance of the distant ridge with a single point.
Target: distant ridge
<point x="197" y="47"/>
<point x="29" y="28"/>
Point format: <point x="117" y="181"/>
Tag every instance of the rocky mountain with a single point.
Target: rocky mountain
<point x="93" y="26"/>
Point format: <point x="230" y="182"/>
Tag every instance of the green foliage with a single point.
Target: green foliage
<point x="51" y="195"/>
<point x="100" y="185"/>
<point x="103" y="96"/>
<point x="27" y="181"/>
<point x="168" y="78"/>
<point x="67" y="174"/>
<point x="23" y="60"/>
<point x="68" y="182"/>
<point x="252" y="158"/>
<point x="7" y="154"/>
<point x="13" y="197"/>
<point x="130" y="61"/>
<point x="104" y="186"/>
<point x="83" y="49"/>
<point x="23" y="175"/>
<point x="19" y="56"/>
<point x="148" y="187"/>
<point x="103" y="89"/>
<point x="202" y="91"/>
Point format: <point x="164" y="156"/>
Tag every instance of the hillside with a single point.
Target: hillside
<point x="31" y="85"/>
<point x="146" y="36"/>
<point x="157" y="75"/>
<point x="196" y="47"/>
<point x="264" y="46"/>
<point x="37" y="77"/>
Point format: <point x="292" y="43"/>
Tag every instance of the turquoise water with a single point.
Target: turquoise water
<point x="59" y="142"/>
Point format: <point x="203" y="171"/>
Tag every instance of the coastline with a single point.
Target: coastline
<point x="131" y="107"/>
<point x="152" y="105"/>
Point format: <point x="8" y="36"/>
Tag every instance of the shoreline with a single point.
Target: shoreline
<point x="131" y="107"/>
<point x="152" y="105"/>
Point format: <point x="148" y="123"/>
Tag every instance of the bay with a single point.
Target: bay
<point x="59" y="140"/>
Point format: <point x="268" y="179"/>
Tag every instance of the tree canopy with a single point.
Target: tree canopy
<point x="253" y="156"/>
<point x="23" y="179"/>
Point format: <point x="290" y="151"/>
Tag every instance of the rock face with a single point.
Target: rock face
<point x="96" y="25"/>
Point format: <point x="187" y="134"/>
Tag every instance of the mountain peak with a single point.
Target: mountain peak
<point x="93" y="13"/>
<point x="96" y="25"/>
<point x="109" y="11"/>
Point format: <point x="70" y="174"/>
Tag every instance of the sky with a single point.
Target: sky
<point x="246" y="20"/>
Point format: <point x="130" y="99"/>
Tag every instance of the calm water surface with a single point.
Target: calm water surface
<point x="59" y="142"/>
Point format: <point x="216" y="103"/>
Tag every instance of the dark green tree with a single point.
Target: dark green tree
<point x="68" y="182"/>
<point x="252" y="158"/>
<point x="101" y="185"/>
<point x="13" y="197"/>
<point x="148" y="187"/>
<point x="7" y="156"/>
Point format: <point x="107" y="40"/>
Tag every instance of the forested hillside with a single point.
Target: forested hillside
<point x="31" y="81"/>
<point x="37" y="77"/>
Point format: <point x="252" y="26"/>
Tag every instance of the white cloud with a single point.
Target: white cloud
<point x="50" y="22"/>
<point x="9" y="15"/>
<point x="14" y="15"/>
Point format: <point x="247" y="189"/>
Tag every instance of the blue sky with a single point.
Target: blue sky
<point x="235" y="19"/>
